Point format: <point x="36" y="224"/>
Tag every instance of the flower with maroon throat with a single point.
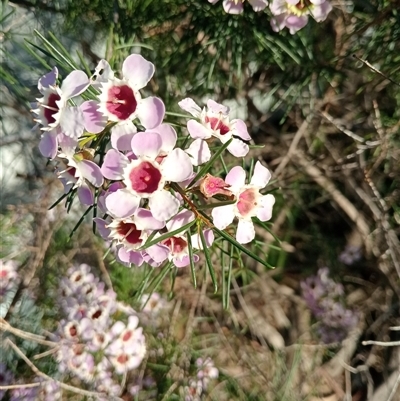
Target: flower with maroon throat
<point x="249" y="202"/>
<point x="214" y="121"/>
<point x="120" y="99"/>
<point x="146" y="177"/>
<point x="60" y="122"/>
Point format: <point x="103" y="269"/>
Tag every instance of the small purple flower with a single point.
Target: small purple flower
<point x="236" y="6"/>
<point x="293" y="14"/>
<point x="249" y="202"/>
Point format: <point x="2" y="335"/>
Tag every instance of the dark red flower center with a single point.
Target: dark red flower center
<point x="216" y="123"/>
<point x="130" y="233"/>
<point x="121" y="101"/>
<point x="175" y="244"/>
<point x="51" y="108"/>
<point x="247" y="201"/>
<point x="127" y="336"/>
<point x="145" y="178"/>
<point x="122" y="359"/>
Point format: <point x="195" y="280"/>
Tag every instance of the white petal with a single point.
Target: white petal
<point x="122" y="203"/>
<point x="190" y="106"/>
<point x="199" y="151"/>
<point x="261" y="176"/>
<point x="177" y="166"/>
<point x="236" y="178"/>
<point x="74" y="84"/>
<point x="245" y="232"/>
<point x="223" y="216"/>
<point x="163" y="205"/>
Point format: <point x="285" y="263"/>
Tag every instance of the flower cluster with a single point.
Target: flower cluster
<point x="325" y="298"/>
<point x="197" y="386"/>
<point x="116" y="154"/>
<point x="93" y="346"/>
<point x="291" y="14"/>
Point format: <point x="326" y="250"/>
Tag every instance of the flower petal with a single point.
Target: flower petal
<point x="181" y="219"/>
<point x="72" y="122"/>
<point x="91" y="172"/>
<point x="264" y="213"/>
<point x="236" y="178"/>
<point x="217" y="107"/>
<point x="85" y="195"/>
<point x="240" y="129"/>
<point x="113" y="165"/>
<point x="261" y="176"/>
<point x="258" y="5"/>
<point x="145" y="220"/>
<point x="158" y="252"/>
<point x="238" y="148"/>
<point x="231" y="7"/>
<point x="137" y="70"/>
<point x="122" y="203"/>
<point x="130" y="257"/>
<point x="168" y="136"/>
<point x="163" y="205"/>
<point x="208" y="236"/>
<point x="74" y="84"/>
<point x="94" y="120"/>
<point x="146" y="144"/>
<point x="151" y="112"/>
<point x="245" y="232"/>
<point x="48" y="145"/>
<point x="199" y="152"/>
<point x="121" y="136"/>
<point x="197" y="130"/>
<point x="223" y="216"/>
<point x="101" y="227"/>
<point x="190" y="106"/>
<point x="48" y="80"/>
<point x="177" y="166"/>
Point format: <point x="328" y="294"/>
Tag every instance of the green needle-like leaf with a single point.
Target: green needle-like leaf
<point x="192" y="269"/>
<point x="208" y="259"/>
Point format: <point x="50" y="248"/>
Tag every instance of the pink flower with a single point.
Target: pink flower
<point x="60" y="122"/>
<point x="214" y="122"/>
<point x="120" y="99"/>
<point x="236" y="6"/>
<point x="293" y="14"/>
<point x="145" y="177"/>
<point x="249" y="202"/>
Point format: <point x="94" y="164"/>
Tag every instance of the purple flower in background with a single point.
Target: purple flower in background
<point x="293" y="14"/>
<point x="325" y="298"/>
<point x="236" y="6"/>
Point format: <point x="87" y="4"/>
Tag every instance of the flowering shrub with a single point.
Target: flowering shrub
<point x="325" y="298"/>
<point x="151" y="188"/>
<point x="94" y="345"/>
